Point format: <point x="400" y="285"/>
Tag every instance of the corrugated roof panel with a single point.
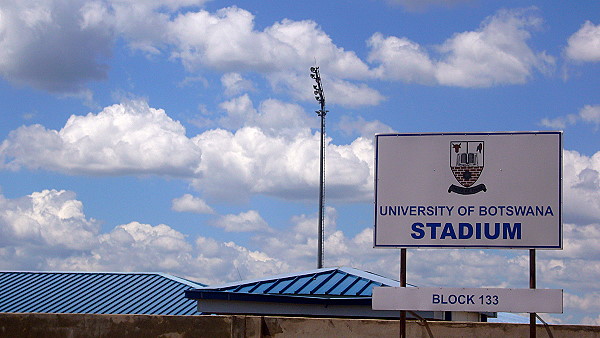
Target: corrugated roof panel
<point x="149" y="294"/>
<point x="281" y="287"/>
<point x="117" y="298"/>
<point x="367" y="290"/>
<point x="163" y="297"/>
<point x="262" y="287"/>
<point x="24" y="297"/>
<point x="131" y="296"/>
<point x="88" y="292"/>
<point x="183" y="308"/>
<point x="352" y="281"/>
<point x="107" y="302"/>
<point x="172" y="306"/>
<point x="358" y="286"/>
<point x="16" y="288"/>
<point x="66" y="296"/>
<point x="20" y="296"/>
<point x="245" y="288"/>
<point x="95" y="292"/>
<point x="337" y="287"/>
<point x="298" y="284"/>
<point x="326" y="284"/>
<point x="309" y="283"/>
<point x="160" y="295"/>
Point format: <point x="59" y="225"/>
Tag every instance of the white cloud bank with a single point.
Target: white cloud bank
<point x="59" y="46"/>
<point x="496" y="53"/>
<point x="48" y="230"/>
<point x="228" y="41"/>
<point x="271" y="151"/>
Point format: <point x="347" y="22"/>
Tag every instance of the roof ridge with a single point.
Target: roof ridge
<point x="348" y="270"/>
<point x="268" y="278"/>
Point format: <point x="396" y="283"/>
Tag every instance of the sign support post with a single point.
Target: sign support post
<point x="403" y="285"/>
<point x="532" y="278"/>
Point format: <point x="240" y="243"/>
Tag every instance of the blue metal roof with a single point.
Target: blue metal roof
<point x="96" y="293"/>
<point x="326" y="282"/>
<point x="337" y="292"/>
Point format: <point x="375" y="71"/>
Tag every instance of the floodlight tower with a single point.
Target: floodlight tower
<point x="320" y="97"/>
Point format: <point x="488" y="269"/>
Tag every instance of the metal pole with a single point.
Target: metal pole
<point x="403" y="284"/>
<point x="321" y="193"/>
<point x="320" y="97"/>
<point x="532" y="285"/>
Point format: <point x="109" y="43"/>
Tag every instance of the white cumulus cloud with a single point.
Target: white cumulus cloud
<point x="337" y="90"/>
<point x="400" y="59"/>
<point x="189" y="203"/>
<point x="49" y="218"/>
<point x="584" y="45"/>
<point x="249" y="221"/>
<point x="52" y="45"/>
<point x="496" y="53"/>
<point x="274" y="117"/>
<point x="364" y="128"/>
<point x="127" y="138"/>
<point x="587" y="114"/>
<point x="48" y="230"/>
<point x="271" y="150"/>
<point x="227" y="40"/>
<point x="249" y="161"/>
<point x="59" y="46"/>
<point x="235" y="84"/>
<point x="581" y="182"/>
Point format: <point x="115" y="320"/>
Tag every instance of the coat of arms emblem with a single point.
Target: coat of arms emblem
<point x="466" y="163"/>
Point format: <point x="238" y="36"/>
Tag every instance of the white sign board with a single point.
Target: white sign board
<point x="468" y="299"/>
<point x="469" y="190"/>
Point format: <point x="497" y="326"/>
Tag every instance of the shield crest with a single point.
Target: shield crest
<point x="466" y="161"/>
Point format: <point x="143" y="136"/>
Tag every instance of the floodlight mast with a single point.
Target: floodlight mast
<point x="320" y="97"/>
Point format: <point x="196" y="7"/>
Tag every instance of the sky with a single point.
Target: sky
<point x="181" y="136"/>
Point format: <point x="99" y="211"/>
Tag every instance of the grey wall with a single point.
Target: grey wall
<point x="85" y="325"/>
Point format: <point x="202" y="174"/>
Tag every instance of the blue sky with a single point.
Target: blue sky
<point x="180" y="136"/>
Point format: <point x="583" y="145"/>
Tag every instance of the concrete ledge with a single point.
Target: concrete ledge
<point x="86" y="325"/>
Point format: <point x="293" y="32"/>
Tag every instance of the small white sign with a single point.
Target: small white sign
<point x="469" y="190"/>
<point x="468" y="299"/>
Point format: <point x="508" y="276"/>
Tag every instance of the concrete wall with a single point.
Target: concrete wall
<point x="72" y="325"/>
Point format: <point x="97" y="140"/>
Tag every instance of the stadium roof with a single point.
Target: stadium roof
<point x="342" y="291"/>
<point x="95" y="293"/>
